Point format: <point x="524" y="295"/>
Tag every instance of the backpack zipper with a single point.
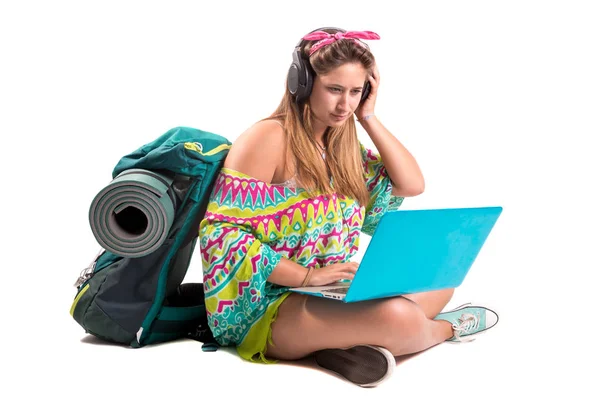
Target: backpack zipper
<point x="88" y="272"/>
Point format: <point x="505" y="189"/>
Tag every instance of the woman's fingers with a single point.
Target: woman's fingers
<point x="352" y="266"/>
<point x="334" y="272"/>
<point x="348" y="275"/>
<point x="347" y="270"/>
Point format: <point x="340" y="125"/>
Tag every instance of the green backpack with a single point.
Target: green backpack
<point x="146" y="221"/>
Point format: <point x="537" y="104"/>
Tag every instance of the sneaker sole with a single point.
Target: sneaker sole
<point x="365" y="366"/>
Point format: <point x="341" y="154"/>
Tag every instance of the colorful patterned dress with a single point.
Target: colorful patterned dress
<point x="250" y="224"/>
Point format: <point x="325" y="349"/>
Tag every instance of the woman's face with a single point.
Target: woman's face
<point x="336" y="95"/>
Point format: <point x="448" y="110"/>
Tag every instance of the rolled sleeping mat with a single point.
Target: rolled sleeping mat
<point x="133" y="214"/>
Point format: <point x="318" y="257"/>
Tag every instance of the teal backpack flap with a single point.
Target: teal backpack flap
<point x="147" y="223"/>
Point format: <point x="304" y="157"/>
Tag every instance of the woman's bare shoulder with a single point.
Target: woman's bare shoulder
<point x="258" y="151"/>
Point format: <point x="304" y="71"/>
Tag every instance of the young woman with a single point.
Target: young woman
<point x="287" y="210"/>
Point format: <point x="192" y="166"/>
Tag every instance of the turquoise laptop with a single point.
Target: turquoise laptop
<point x="416" y="251"/>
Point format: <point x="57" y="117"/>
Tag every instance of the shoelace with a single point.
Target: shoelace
<point x="466" y="322"/>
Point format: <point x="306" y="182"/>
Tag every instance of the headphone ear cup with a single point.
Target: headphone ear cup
<point x="365" y="92"/>
<point x="295" y="74"/>
<point x="293" y="79"/>
<point x="300" y="78"/>
<point x="309" y="84"/>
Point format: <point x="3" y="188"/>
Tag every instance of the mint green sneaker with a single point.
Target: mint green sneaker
<point x="468" y="321"/>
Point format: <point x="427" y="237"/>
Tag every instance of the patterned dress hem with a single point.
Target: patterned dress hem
<point x="254" y="346"/>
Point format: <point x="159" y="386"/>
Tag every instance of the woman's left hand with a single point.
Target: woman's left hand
<point x="368" y="107"/>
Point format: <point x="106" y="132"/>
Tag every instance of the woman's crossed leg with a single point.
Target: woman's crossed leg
<point x="359" y="340"/>
<point x="306" y="324"/>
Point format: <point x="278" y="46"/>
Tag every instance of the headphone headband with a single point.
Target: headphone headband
<point x="301" y="75"/>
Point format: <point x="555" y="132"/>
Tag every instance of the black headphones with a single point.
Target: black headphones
<point x="301" y="75"/>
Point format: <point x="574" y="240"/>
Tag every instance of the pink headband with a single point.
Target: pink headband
<point x="325" y="38"/>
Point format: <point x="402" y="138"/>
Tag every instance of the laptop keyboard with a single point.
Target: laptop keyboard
<point x="337" y="290"/>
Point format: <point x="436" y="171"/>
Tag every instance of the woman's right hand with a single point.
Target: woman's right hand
<point x="333" y="273"/>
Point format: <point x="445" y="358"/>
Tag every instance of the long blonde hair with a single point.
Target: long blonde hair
<point x="343" y="157"/>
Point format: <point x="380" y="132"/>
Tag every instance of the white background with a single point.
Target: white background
<point x="498" y="101"/>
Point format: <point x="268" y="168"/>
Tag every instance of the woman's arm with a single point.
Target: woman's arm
<point x="401" y="166"/>
<point x="257" y="153"/>
<point x="288" y="273"/>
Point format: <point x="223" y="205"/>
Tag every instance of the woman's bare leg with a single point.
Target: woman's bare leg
<point x="432" y="303"/>
<point x="306" y="324"/>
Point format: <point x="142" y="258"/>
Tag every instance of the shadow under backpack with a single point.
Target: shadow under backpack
<point x="146" y="221"/>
